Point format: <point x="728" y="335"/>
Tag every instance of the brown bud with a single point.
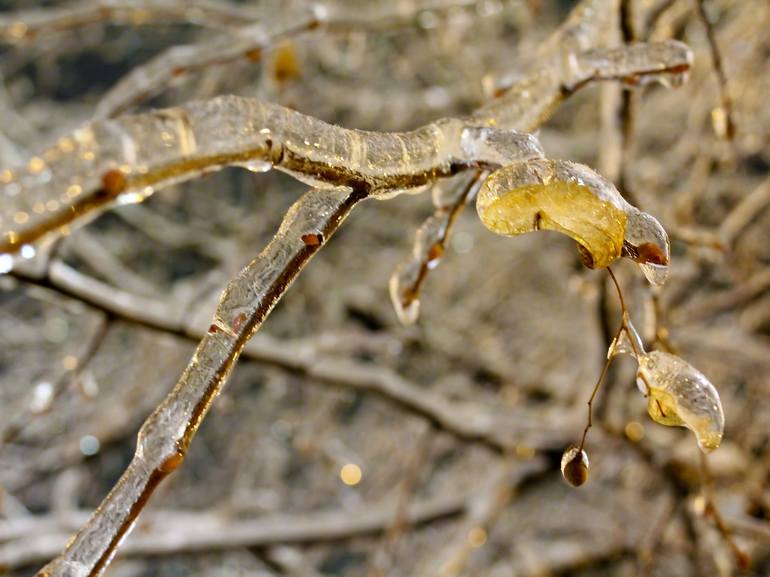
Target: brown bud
<point x="574" y="466"/>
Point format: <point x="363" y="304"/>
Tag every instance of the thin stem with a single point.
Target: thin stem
<point x="623" y="308"/>
<point x="598" y="384"/>
<point x="716" y="59"/>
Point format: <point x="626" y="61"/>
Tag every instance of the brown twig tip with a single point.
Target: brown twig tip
<point x="113" y="182"/>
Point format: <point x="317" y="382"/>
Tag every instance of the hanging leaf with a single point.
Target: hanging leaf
<point x="574" y="200"/>
<point x="681" y="396"/>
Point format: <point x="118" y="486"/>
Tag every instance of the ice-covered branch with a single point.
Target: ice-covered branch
<point x="531" y="101"/>
<point x="125" y="160"/>
<point x="31" y="24"/>
<point x="525" y="106"/>
<point x="166" y="434"/>
<point x="247" y="42"/>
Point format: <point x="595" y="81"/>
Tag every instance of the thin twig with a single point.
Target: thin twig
<point x="719" y="70"/>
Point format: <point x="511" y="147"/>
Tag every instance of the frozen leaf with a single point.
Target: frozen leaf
<point x="575" y="200"/>
<point x="679" y="395"/>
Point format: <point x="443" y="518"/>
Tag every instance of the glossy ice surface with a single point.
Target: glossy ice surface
<point x="680" y="395"/>
<point x="572" y="199"/>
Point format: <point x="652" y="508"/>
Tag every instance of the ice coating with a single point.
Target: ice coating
<point x="532" y="99"/>
<point x="126" y="159"/>
<point x="680" y="395"/>
<point x="666" y="62"/>
<point x="575" y="200"/>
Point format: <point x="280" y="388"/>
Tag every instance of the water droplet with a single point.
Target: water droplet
<point x="574" y="466"/>
<point x="628" y="342"/>
<point x="256" y="165"/>
<point x="656" y="274"/>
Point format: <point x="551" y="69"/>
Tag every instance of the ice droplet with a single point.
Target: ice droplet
<point x="620" y="346"/>
<point x="406" y="304"/>
<point x="575" y="466"/>
<point x="628" y="342"/>
<point x="681" y="396"/>
<point x="256" y="165"/>
<point x="656" y="274"/>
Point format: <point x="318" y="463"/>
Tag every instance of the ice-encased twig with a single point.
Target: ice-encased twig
<point x="149" y="79"/>
<point x="126" y="159"/>
<point x="248" y="42"/>
<point x="28" y="25"/>
<point x="661" y="61"/>
<point x="165" y="436"/>
<point x="428" y="247"/>
<point x="724" y="117"/>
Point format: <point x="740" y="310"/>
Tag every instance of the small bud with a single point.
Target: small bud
<point x="574" y="466"/>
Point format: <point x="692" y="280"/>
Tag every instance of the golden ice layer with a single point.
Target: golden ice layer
<point x="557" y="195"/>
